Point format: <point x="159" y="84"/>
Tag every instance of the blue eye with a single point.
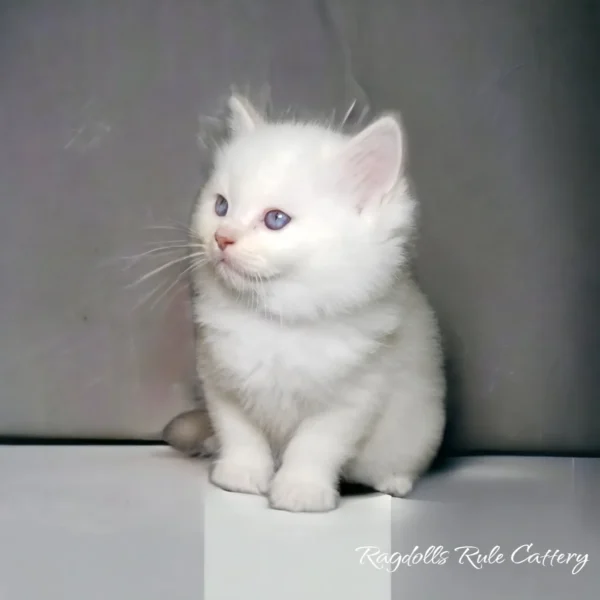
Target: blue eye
<point x="221" y="205"/>
<point x="275" y="219"/>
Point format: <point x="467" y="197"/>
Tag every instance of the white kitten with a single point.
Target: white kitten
<point x="318" y="353"/>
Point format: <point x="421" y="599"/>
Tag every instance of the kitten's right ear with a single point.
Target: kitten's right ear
<point x="243" y="117"/>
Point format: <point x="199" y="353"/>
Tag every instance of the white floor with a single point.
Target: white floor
<point x="128" y="523"/>
<point x="252" y="551"/>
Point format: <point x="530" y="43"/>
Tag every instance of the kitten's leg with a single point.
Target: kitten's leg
<point x="311" y="464"/>
<point x="403" y="442"/>
<point x="245" y="462"/>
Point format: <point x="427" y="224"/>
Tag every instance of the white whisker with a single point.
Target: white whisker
<point x="173" y="285"/>
<point x="177" y="225"/>
<point x="166" y="266"/>
<point x="147" y="297"/>
<point x="184" y="242"/>
<point x="162" y="227"/>
<point x="136" y="257"/>
<point x="195" y="264"/>
<point x="348" y="112"/>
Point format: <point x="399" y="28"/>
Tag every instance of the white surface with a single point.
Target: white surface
<point x="127" y="523"/>
<point x="100" y="523"/>
<point x="252" y="551"/>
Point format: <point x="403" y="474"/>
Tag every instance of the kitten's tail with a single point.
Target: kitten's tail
<point x="191" y="432"/>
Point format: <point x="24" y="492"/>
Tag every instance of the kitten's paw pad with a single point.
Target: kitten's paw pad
<point x="395" y="485"/>
<point x="302" y="495"/>
<point x="243" y="477"/>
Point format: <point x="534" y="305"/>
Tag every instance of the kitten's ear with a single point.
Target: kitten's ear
<point x="243" y="117"/>
<point x="372" y="160"/>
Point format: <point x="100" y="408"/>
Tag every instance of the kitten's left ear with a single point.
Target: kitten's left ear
<point x="372" y="160"/>
<point x="243" y="117"/>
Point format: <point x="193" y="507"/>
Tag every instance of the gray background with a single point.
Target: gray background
<point x="99" y="108"/>
<point x="99" y="115"/>
<point x="501" y="100"/>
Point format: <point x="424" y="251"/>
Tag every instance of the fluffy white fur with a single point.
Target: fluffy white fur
<point x="319" y="355"/>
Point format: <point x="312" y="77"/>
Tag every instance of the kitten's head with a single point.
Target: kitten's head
<point x="303" y="218"/>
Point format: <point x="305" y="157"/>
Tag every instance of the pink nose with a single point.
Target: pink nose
<point x="223" y="241"/>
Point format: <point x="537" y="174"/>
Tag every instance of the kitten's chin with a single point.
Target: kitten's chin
<point x="238" y="279"/>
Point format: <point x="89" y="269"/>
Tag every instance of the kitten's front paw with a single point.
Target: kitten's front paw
<point x="244" y="477"/>
<point x="301" y="494"/>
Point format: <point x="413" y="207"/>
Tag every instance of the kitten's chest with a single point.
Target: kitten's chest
<point x="265" y="357"/>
